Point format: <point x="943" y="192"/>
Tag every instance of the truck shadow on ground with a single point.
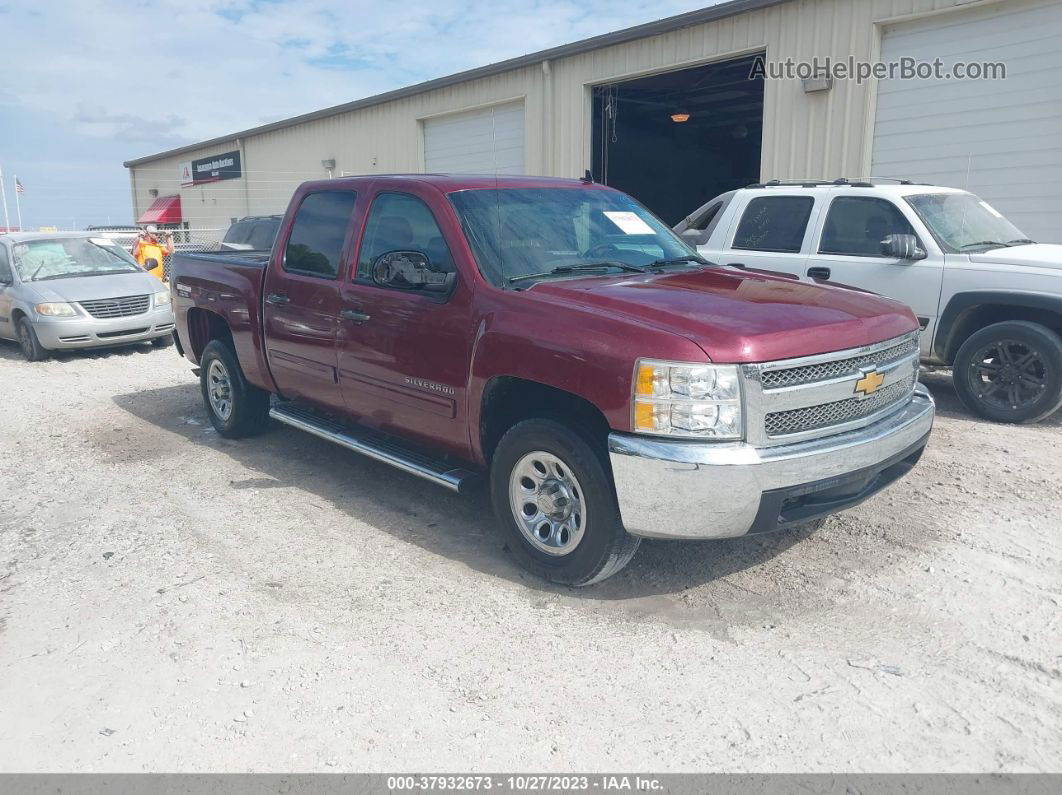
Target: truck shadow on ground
<point x="460" y="528"/>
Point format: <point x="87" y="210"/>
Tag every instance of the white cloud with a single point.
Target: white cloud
<point x="158" y="72"/>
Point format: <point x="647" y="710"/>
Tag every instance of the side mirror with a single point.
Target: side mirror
<point x="150" y="264"/>
<point x="410" y="270"/>
<point x="902" y="247"/>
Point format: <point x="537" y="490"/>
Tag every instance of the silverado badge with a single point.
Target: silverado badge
<point x="870" y="383"/>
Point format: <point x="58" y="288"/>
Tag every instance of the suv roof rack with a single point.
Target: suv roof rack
<point x="857" y="182"/>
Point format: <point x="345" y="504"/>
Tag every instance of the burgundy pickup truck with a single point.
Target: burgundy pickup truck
<point x="557" y="338"/>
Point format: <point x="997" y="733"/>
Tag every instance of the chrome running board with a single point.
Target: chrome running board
<point x="375" y="446"/>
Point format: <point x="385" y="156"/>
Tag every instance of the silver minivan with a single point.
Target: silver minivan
<point x="66" y="290"/>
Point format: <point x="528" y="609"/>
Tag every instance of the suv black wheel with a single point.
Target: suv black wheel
<point x="27" y="340"/>
<point x="554" y="497"/>
<point x="1010" y="372"/>
<point x="236" y="408"/>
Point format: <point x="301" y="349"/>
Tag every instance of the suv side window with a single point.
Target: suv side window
<point x="5" y="267"/>
<point x="774" y="223"/>
<point x="315" y="245"/>
<point x="238" y="232"/>
<point x="401" y="222"/>
<point x="856" y="225"/>
<point x="263" y="233"/>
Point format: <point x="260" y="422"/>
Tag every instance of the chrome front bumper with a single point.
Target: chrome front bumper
<point x="90" y="332"/>
<point x="700" y="490"/>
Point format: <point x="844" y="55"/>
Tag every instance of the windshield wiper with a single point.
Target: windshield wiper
<point x="662" y="263"/>
<point x="1021" y="241"/>
<point x="78" y="274"/>
<point x="589" y="267"/>
<point x="988" y="243"/>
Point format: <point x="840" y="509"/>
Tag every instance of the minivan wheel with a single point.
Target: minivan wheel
<point x="236" y="408"/>
<point x="556" y="504"/>
<point x="1010" y="372"/>
<point x="28" y="342"/>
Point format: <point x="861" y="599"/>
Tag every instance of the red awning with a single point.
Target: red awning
<point x="164" y="210"/>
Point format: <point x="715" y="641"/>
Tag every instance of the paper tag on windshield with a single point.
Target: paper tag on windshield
<point x="992" y="209"/>
<point x="630" y="223"/>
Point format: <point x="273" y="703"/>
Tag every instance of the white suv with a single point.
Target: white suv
<point x="989" y="299"/>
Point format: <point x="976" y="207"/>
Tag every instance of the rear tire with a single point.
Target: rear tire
<point x="1010" y="372"/>
<point x="236" y="408"/>
<point x="553" y="495"/>
<point x="28" y="342"/>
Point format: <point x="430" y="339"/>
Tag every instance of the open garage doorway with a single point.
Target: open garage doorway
<point x="677" y="139"/>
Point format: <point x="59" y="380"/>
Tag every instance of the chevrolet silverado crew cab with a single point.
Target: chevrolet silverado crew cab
<point x="989" y="300"/>
<point x="556" y="338"/>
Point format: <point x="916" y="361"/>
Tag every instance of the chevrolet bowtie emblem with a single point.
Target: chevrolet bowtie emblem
<point x="870" y="383"/>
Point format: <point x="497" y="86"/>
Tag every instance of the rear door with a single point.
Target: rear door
<point x="301" y="297"/>
<point x="404" y="353"/>
<point x="772" y="232"/>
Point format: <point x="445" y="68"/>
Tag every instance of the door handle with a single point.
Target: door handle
<point x="277" y="299"/>
<point x="354" y="316"/>
<point x="819" y="273"/>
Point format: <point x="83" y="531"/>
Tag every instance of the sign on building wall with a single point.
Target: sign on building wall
<point x="210" y="169"/>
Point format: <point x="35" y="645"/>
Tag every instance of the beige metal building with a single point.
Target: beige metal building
<point x="668" y="112"/>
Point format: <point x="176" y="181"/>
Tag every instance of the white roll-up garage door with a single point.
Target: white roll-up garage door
<point x="1000" y="139"/>
<point x="484" y="141"/>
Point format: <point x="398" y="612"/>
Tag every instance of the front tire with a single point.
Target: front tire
<point x="1010" y="372"/>
<point x="28" y="342"/>
<point x="557" y="506"/>
<point x="236" y="408"/>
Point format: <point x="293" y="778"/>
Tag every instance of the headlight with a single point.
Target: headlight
<point x="55" y="310"/>
<point x="162" y="299"/>
<point x="695" y="400"/>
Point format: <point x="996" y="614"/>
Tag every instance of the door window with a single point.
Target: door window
<point x="856" y="225"/>
<point x="774" y="223"/>
<point x="5" y="267"/>
<point x="315" y="245"/>
<point x="400" y="222"/>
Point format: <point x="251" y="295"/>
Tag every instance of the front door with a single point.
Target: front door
<point x="301" y="297"/>
<point x="849" y="248"/>
<point x="7" y="290"/>
<point x="404" y="351"/>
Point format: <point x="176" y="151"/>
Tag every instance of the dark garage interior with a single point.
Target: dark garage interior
<point x="677" y="139"/>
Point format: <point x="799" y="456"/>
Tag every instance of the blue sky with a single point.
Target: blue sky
<point x="86" y="85"/>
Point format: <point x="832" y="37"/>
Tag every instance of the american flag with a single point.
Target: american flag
<point x="18" y="186"/>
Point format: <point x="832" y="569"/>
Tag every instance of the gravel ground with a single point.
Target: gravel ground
<point x="170" y="600"/>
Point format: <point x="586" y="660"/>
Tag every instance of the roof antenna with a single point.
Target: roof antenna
<point x="587" y="177"/>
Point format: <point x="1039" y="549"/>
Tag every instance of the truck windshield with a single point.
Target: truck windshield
<point x="963" y="223"/>
<point x="521" y="232"/>
<point x="62" y="257"/>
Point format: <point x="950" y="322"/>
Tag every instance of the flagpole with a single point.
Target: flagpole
<point x="18" y="204"/>
<point x="3" y="198"/>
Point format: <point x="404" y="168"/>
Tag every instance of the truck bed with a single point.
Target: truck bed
<point x="229" y="285"/>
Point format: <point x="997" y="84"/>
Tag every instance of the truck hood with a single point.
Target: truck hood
<point x="92" y="288"/>
<point x="1036" y="255"/>
<point x="739" y="317"/>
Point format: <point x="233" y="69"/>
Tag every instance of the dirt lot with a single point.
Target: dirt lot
<point x="170" y="600"/>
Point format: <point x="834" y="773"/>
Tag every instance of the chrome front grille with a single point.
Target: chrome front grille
<point x="126" y="306"/>
<point x="815" y="396"/>
<point x="825" y="371"/>
<point x="813" y="418"/>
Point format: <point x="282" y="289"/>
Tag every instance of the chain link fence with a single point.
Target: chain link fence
<point x="184" y="240"/>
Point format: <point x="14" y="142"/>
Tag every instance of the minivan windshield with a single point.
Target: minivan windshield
<point x="66" y="257"/>
<point x="962" y="223"/>
<point x="524" y="234"/>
